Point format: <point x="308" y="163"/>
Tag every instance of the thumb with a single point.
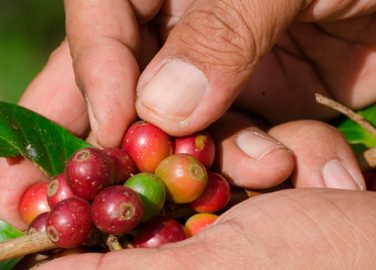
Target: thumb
<point x="206" y="60"/>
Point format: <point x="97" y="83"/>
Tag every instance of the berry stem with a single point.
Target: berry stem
<point x="357" y="118"/>
<point x="25" y="245"/>
<point x="113" y="243"/>
<point x="368" y="158"/>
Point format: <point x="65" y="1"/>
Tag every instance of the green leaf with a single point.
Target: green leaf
<point x="355" y="134"/>
<point x="8" y="232"/>
<point x="45" y="143"/>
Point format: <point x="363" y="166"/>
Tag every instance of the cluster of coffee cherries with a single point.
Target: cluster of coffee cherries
<point x="125" y="191"/>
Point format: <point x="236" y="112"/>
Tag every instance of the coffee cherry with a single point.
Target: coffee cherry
<point x="69" y="224"/>
<point x="58" y="190"/>
<point x="151" y="190"/>
<point x="215" y="196"/>
<point x="116" y="210"/>
<point x="198" y="222"/>
<point x="88" y="171"/>
<point x="158" y="231"/>
<point x="184" y="176"/>
<point x="33" y="202"/>
<point x="200" y="145"/>
<point x="147" y="145"/>
<point x="124" y="165"/>
<point x="38" y="224"/>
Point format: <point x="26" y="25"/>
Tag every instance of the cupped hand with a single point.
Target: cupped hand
<point x="290" y="229"/>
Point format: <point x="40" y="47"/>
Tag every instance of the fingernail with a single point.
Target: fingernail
<point x="256" y="144"/>
<point x="94" y="125"/>
<point x="175" y="90"/>
<point x="335" y="175"/>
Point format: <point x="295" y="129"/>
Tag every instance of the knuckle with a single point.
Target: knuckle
<point x="221" y="35"/>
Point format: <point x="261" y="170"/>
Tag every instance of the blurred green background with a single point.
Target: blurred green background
<point x="29" y="31"/>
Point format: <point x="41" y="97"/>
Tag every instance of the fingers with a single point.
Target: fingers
<point x="206" y="60"/>
<point x="54" y="94"/>
<point x="242" y="237"/>
<point x="313" y="153"/>
<point x="104" y="41"/>
<point x="323" y="157"/>
<point x="247" y="155"/>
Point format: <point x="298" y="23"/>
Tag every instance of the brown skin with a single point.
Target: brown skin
<point x="340" y="223"/>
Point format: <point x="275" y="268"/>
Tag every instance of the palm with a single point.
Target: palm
<point x="333" y="58"/>
<point x="262" y="233"/>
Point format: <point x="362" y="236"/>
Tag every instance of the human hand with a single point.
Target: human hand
<point x="68" y="108"/>
<point x="217" y="38"/>
<point x="314" y="167"/>
<point x="290" y="229"/>
<point x="317" y="165"/>
<point x="323" y="159"/>
<point x="272" y="56"/>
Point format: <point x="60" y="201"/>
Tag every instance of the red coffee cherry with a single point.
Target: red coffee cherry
<point x="33" y="202"/>
<point x="200" y="145"/>
<point x="116" y="210"/>
<point x="58" y="190"/>
<point x="215" y="196"/>
<point x="39" y="224"/>
<point x="158" y="231"/>
<point x="69" y="223"/>
<point x="147" y="145"/>
<point x="124" y="165"/>
<point x="88" y="171"/>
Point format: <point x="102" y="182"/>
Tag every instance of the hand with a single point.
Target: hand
<point x="258" y="219"/>
<point x="271" y="55"/>
<point x="95" y="61"/>
<point x="106" y="69"/>
<point x="222" y="63"/>
<point x="291" y="229"/>
<point x="54" y="94"/>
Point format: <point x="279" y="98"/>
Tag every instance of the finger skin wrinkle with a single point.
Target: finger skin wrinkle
<point x="280" y="229"/>
<point x="134" y="48"/>
<point x="314" y="66"/>
<point x="223" y="38"/>
<point x="85" y="30"/>
<point x="340" y="227"/>
<point x="357" y="233"/>
<point x="325" y="228"/>
<point x="101" y="262"/>
<point x="169" y="258"/>
<point x="321" y="28"/>
<point x="235" y="236"/>
<point x="312" y="240"/>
